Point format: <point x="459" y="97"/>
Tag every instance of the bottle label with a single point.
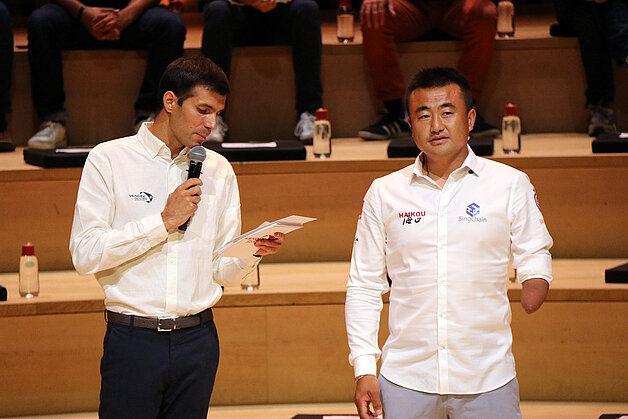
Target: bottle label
<point x="344" y="28"/>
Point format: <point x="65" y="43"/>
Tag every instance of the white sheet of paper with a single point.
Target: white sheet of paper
<point x="271" y="144"/>
<point x="73" y="150"/>
<point x="243" y="246"/>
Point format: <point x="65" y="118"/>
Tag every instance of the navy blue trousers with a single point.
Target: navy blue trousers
<point x="296" y="23"/>
<point x="149" y="374"/>
<point x="51" y="29"/>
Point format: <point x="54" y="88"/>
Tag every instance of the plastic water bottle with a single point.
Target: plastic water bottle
<point x="505" y="19"/>
<point x="321" y="143"/>
<point x="511" y="129"/>
<point x="344" y="22"/>
<point x="29" y="272"/>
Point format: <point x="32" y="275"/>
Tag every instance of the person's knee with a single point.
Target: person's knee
<point x="170" y="25"/>
<point x="304" y="10"/>
<point x="216" y="11"/>
<point x="42" y="22"/>
<point x="481" y="14"/>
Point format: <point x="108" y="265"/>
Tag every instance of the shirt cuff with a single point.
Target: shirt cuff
<point x="365" y="365"/>
<point x="249" y="262"/>
<point x="535" y="266"/>
<point x="154" y="229"/>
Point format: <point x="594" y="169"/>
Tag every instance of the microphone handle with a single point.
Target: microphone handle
<point x="193" y="172"/>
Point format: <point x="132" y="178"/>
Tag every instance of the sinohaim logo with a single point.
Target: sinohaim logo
<point x="473" y="209"/>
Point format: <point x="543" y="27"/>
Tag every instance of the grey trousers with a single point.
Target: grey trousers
<point x="403" y="403"/>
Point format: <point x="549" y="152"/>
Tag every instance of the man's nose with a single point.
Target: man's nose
<point x="437" y="124"/>
<point x="210" y="121"/>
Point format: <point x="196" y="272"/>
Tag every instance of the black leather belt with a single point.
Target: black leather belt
<point x="161" y="325"/>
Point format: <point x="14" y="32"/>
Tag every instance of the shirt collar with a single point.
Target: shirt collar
<point x="154" y="145"/>
<point x="471" y="165"/>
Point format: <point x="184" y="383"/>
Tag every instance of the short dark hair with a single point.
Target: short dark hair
<point x="184" y="74"/>
<point x="439" y="77"/>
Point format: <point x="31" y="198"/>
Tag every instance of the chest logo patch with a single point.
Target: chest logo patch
<point x="410" y="217"/>
<point x="142" y="197"/>
<point x="473" y="211"/>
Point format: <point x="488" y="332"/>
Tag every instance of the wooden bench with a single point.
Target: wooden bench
<point x="286" y="342"/>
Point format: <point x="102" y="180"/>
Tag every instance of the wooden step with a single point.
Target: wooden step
<point x="582" y="196"/>
<point x="571" y="350"/>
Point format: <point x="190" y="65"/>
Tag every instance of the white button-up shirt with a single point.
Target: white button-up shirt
<point x="446" y="251"/>
<point x="118" y="233"/>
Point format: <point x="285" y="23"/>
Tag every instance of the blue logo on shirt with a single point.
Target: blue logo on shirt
<point x="473" y="209"/>
<point x="143" y="196"/>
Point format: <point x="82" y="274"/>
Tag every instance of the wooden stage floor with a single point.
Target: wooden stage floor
<point x="529" y="410"/>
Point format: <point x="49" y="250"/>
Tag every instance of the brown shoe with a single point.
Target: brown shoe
<point x="5" y="142"/>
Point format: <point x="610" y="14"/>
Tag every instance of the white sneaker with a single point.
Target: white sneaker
<point x="138" y="124"/>
<point x="50" y="135"/>
<point x="218" y="135"/>
<point x="305" y="128"/>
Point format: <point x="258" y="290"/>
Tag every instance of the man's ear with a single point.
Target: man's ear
<point x="471" y="118"/>
<point x="410" y="121"/>
<point x="170" y="101"/>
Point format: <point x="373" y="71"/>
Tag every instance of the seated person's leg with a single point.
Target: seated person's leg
<point x="6" y="65"/>
<point x="584" y="18"/>
<point x="382" y="61"/>
<point x="50" y="30"/>
<point x="162" y="33"/>
<point x="305" y="37"/>
<point x="475" y="22"/>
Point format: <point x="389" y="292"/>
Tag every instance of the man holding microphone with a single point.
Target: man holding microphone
<point x="160" y="352"/>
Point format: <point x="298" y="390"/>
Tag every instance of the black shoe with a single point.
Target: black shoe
<point x="482" y="129"/>
<point x="6" y="144"/>
<point x="388" y="127"/>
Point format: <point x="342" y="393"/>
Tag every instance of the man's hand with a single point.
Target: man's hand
<point x="182" y="203"/>
<point x="373" y="12"/>
<point x="269" y="246"/>
<point x="533" y="293"/>
<point x="367" y="391"/>
<point x="261" y="5"/>
<point x="101" y="22"/>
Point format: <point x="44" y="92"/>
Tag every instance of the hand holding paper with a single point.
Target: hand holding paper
<point x="246" y="244"/>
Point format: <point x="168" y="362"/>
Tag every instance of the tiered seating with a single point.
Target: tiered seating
<point x="286" y="342"/>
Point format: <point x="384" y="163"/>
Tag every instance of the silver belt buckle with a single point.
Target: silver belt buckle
<point x="166" y="325"/>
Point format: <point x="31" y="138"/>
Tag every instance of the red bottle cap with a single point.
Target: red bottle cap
<point x="512" y="110"/>
<point x="28" y="249"/>
<point x="344" y="3"/>
<point x="321" y="114"/>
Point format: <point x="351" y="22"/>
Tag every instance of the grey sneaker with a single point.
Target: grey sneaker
<point x="218" y="135"/>
<point x="305" y="128"/>
<point x="602" y="120"/>
<point x="141" y="119"/>
<point x="51" y="135"/>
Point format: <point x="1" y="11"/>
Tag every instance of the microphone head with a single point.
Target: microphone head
<point x="198" y="153"/>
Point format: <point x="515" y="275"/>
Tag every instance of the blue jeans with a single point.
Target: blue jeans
<point x="296" y="23"/>
<point x="51" y="29"/>
<point x="6" y="64"/>
<point x="148" y="374"/>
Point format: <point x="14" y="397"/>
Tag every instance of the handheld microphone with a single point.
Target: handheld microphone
<point x="197" y="156"/>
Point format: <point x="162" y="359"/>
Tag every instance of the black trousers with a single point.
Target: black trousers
<point x="150" y="374"/>
<point x="51" y="30"/>
<point x="6" y="64"/>
<point x="296" y="23"/>
<point x="587" y="19"/>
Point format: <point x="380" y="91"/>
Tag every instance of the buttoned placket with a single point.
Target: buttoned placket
<point x="441" y="286"/>
<point x="172" y="265"/>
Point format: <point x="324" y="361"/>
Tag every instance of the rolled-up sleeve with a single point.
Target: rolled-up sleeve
<point x="530" y="239"/>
